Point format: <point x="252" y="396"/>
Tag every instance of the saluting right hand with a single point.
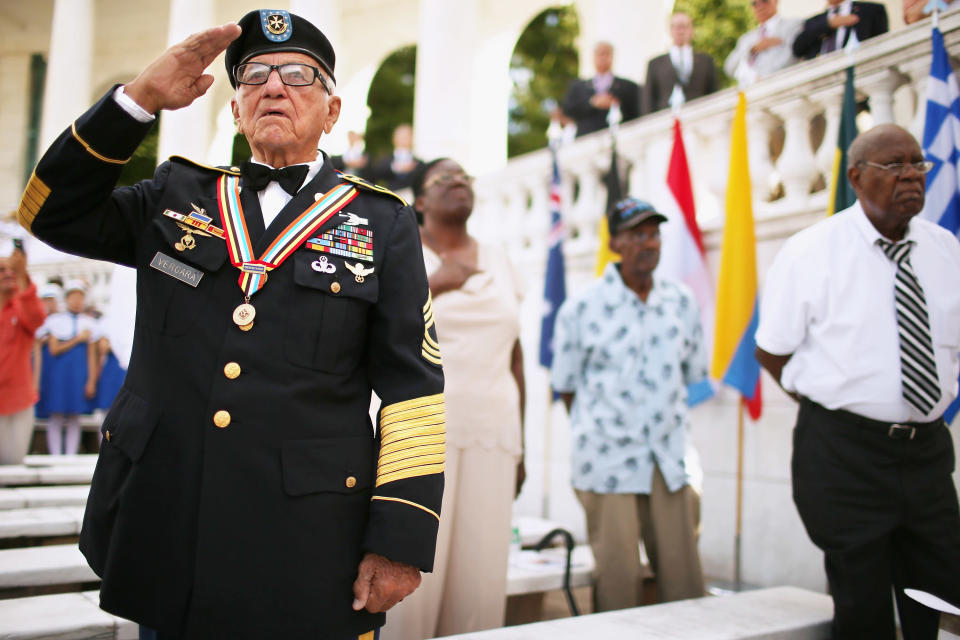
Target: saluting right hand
<point x="177" y="77"/>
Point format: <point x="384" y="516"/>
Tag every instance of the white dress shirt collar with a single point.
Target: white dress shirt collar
<point x="273" y="198"/>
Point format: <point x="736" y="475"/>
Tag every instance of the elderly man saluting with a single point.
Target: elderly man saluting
<point x="860" y="322"/>
<point x="241" y="491"/>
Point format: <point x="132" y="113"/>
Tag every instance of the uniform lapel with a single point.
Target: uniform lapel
<point x="325" y="180"/>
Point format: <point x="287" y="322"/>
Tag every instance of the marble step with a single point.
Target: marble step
<point x="40" y="566"/>
<point x="49" y="496"/>
<point x="66" y="616"/>
<point x="41" y="521"/>
<point x="46" y="460"/>
<point x="79" y="472"/>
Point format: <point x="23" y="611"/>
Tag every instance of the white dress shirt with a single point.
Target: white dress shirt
<point x="739" y="65"/>
<point x="829" y="301"/>
<point x="844" y="9"/>
<point x="272" y="198"/>
<point x="682" y="59"/>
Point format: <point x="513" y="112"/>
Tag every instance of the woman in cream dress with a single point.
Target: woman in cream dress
<point x="476" y="303"/>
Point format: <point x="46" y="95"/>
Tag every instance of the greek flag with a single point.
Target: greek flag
<point x="941" y="145"/>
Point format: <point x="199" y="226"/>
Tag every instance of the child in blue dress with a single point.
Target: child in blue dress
<point x="70" y="382"/>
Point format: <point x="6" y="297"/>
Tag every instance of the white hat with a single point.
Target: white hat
<point x="74" y="284"/>
<point x="50" y="290"/>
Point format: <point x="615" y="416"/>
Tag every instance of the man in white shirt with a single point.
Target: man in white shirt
<point x="766" y="49"/>
<point x="860" y="322"/>
<point x="681" y="74"/>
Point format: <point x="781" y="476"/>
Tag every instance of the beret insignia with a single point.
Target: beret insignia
<point x="276" y="25"/>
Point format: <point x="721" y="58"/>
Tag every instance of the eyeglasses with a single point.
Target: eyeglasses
<point x="446" y="178"/>
<point x="636" y="236"/>
<point x="292" y="74"/>
<point x="897" y="168"/>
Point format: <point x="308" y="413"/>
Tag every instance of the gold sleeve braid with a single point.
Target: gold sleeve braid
<point x="412" y="439"/>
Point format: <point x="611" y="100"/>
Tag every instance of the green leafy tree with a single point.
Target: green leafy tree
<point x="543" y="65"/>
<point x="390" y="99"/>
<point x="717" y="25"/>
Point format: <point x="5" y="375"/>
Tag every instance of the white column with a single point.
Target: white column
<point x="442" y="102"/>
<point x="796" y="163"/>
<point x="188" y="131"/>
<point x="832" y="100"/>
<point x="67" y="87"/>
<point x="918" y="74"/>
<point x="879" y="87"/>
<point x="760" y="124"/>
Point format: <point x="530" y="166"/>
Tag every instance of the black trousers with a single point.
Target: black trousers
<point x="884" y="511"/>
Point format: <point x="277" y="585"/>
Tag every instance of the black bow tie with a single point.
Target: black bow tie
<point x="258" y="176"/>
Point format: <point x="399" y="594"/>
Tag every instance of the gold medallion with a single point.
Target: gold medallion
<point x="246" y="327"/>
<point x="244" y="315"/>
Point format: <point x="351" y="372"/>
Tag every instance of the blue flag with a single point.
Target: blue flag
<point x="554" y="285"/>
<point x="941" y="145"/>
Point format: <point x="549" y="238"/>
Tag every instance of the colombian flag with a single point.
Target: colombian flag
<point x="736" y="316"/>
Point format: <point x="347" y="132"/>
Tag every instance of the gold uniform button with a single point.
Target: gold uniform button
<point x="221" y="418"/>
<point x="107" y="435"/>
<point x="231" y="370"/>
<point x="335" y="287"/>
<point x="351" y="482"/>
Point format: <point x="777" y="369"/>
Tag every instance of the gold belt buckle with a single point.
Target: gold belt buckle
<point x="898" y="431"/>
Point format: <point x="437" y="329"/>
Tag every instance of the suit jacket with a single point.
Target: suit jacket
<point x="662" y="77"/>
<point x="873" y="22"/>
<point x="738" y="64"/>
<point x="254" y="528"/>
<point x="588" y="118"/>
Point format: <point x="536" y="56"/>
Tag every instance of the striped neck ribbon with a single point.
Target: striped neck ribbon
<point x="253" y="271"/>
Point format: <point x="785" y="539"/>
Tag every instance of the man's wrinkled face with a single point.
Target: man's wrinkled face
<point x="883" y="194"/>
<point x="276" y="118"/>
<point x="638" y="246"/>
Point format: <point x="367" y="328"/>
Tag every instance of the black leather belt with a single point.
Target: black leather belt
<point x="893" y="430"/>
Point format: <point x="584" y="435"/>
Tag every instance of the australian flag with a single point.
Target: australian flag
<point x="941" y="145"/>
<point x="554" y="284"/>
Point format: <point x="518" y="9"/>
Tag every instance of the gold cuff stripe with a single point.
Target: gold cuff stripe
<point x="407" y="502"/>
<point x="415" y="450"/>
<point x="34" y="196"/>
<point x="405" y="474"/>
<point x="429" y="358"/>
<point x="413" y="403"/>
<point x="411" y="462"/>
<point x="425" y="426"/>
<point x="400" y="445"/>
<point x="410" y="418"/>
<point x="369" y="635"/>
<point x="73" y="129"/>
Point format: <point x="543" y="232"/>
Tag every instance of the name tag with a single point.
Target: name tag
<point x="180" y="271"/>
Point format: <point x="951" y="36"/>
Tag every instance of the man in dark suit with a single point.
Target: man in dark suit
<point x="241" y="491"/>
<point x="830" y="30"/>
<point x="589" y="102"/>
<point x="681" y="74"/>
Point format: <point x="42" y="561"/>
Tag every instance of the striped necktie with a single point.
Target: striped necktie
<point x="921" y="387"/>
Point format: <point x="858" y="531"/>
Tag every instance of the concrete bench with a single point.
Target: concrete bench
<point x="23" y="475"/>
<point x="37" y="522"/>
<point x="65" y="616"/>
<point x="49" y="496"/>
<point x="43" y="566"/>
<point x="784" y="613"/>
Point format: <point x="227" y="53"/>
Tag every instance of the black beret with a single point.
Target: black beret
<point x="271" y="30"/>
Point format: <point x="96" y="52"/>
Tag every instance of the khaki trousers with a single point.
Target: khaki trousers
<point x="16" y="430"/>
<point x="667" y="523"/>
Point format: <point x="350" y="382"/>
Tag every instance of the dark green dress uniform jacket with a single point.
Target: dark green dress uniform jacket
<point x="253" y="529"/>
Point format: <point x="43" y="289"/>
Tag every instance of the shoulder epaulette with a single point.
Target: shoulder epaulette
<point x="368" y="186"/>
<point x="231" y="171"/>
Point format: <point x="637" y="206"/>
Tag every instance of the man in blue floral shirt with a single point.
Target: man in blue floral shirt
<point x="625" y="351"/>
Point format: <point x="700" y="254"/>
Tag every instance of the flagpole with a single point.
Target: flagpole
<point x="547" y="436"/>
<point x="737" y="582"/>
